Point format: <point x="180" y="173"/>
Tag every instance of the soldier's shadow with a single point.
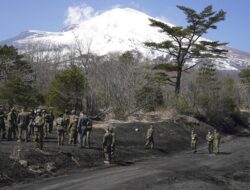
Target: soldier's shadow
<point x="220" y="153"/>
<point x="123" y="163"/>
<point x="197" y="153"/>
<point x="162" y="150"/>
<point x="223" y="153"/>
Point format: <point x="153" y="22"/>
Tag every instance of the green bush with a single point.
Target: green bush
<point x="67" y="89"/>
<point x="149" y="98"/>
<point x="182" y="105"/>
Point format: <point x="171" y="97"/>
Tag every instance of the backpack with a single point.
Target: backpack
<point x="39" y="121"/>
<point x="89" y="124"/>
<point x="60" y="122"/>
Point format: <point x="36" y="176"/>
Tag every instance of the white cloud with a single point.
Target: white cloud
<point x="77" y="14"/>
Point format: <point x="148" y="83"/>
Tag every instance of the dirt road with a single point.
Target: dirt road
<point x="228" y="170"/>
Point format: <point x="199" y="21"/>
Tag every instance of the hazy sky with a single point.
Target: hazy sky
<point x="53" y="15"/>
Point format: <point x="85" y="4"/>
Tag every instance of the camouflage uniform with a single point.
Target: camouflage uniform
<point x="11" y="120"/>
<point x="71" y="119"/>
<point x="84" y="130"/>
<point x="210" y="139"/>
<point x="31" y="124"/>
<point x="51" y="120"/>
<point x="113" y="143"/>
<point x="38" y="130"/>
<point x="194" y="140"/>
<point x="150" y="138"/>
<point x="15" y="123"/>
<point x="46" y="124"/>
<point x="216" y="142"/>
<point x="107" y="146"/>
<point x="66" y="118"/>
<point x="81" y="125"/>
<point x="2" y="125"/>
<point x="22" y="123"/>
<point x="73" y="129"/>
<point x="60" y="125"/>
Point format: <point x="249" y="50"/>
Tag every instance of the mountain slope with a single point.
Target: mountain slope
<point x="116" y="30"/>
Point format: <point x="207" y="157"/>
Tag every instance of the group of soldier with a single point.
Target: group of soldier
<point x="213" y="141"/>
<point x="77" y="126"/>
<point x="38" y="124"/>
<point x="23" y="126"/>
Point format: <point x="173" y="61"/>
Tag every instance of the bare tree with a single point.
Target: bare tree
<point x="46" y="59"/>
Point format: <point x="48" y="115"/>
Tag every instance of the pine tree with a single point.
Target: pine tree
<point x="216" y="99"/>
<point x="13" y="63"/>
<point x="16" y="77"/>
<point x="208" y="86"/>
<point x="185" y="43"/>
<point x="67" y="89"/>
<point x="207" y="77"/>
<point x="17" y="92"/>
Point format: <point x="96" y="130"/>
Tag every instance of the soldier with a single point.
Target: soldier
<point x="112" y="132"/>
<point x="38" y="129"/>
<point x="66" y="119"/>
<point x="71" y="118"/>
<point x="107" y="146"/>
<point x="150" y="137"/>
<point x="81" y="128"/>
<point x="2" y="124"/>
<point x="46" y="124"/>
<point x="51" y="120"/>
<point x="15" y="123"/>
<point x="22" y="123"/>
<point x="73" y="121"/>
<point x="61" y="127"/>
<point x="86" y="128"/>
<point x="216" y="142"/>
<point x="88" y="132"/>
<point x="32" y="116"/>
<point x="210" y="139"/>
<point x="194" y="140"/>
<point x="11" y="120"/>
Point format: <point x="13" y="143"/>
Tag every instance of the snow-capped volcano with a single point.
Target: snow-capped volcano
<point x="116" y="30"/>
